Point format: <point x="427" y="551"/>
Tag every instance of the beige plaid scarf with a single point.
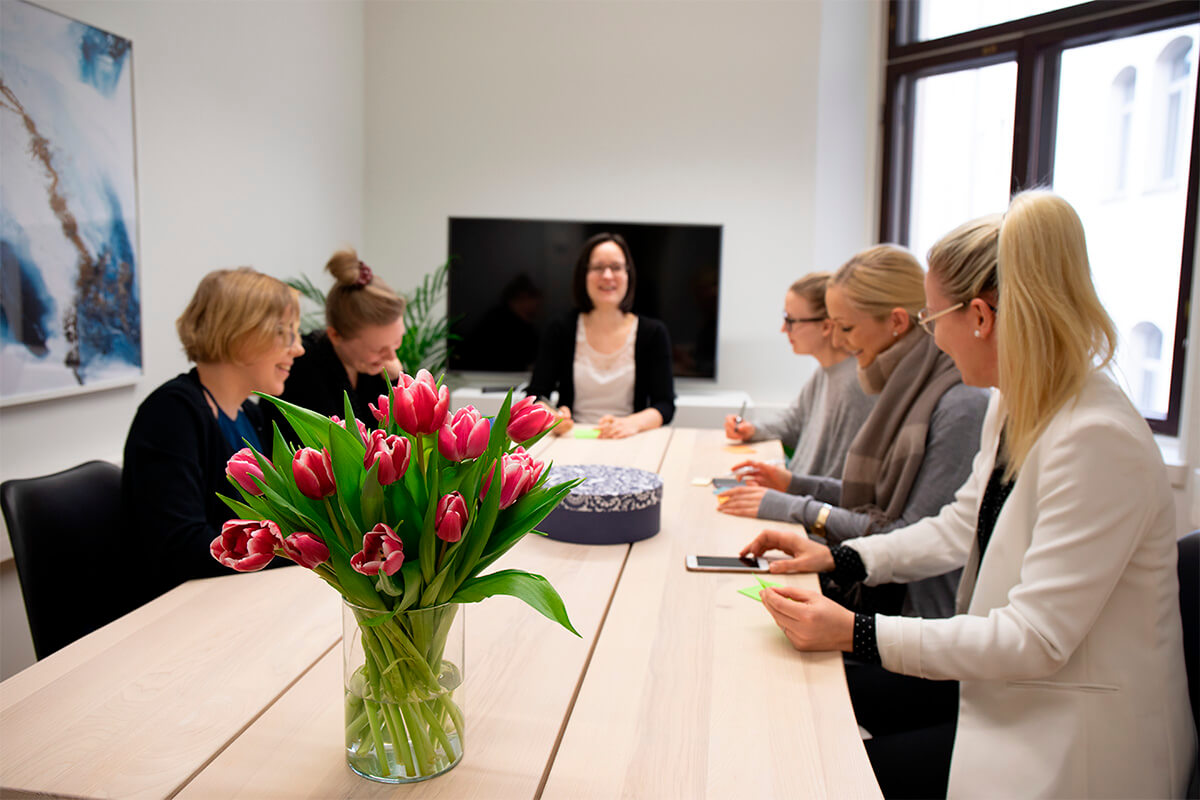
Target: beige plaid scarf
<point x="886" y="454"/>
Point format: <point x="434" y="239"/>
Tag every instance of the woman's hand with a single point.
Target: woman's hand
<point x="565" y="423"/>
<point x="806" y="555"/>
<point x="393" y="369"/>
<point x="741" y="501"/>
<point x="809" y="619"/>
<point x="617" y="427"/>
<point x="739" y="431"/>
<point x="760" y="473"/>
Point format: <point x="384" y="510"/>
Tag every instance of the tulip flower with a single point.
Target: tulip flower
<point x="362" y="429"/>
<point x="382" y="413"/>
<point x="451" y="517"/>
<point x="382" y="551"/>
<point x="246" y="545"/>
<point x="420" y="406"/>
<point x="528" y="419"/>
<point x="305" y="549"/>
<point x="391" y="453"/>
<point x="313" y="472"/>
<point x="243" y="467"/>
<point x="465" y="435"/>
<point x="518" y="473"/>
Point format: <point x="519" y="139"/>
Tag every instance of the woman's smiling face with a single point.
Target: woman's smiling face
<point x="856" y="331"/>
<point x="607" y="276"/>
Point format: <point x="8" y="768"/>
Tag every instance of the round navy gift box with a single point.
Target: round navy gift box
<point x="612" y="506"/>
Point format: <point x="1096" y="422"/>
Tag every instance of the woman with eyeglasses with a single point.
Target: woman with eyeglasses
<point x="610" y="367"/>
<point x="364" y="327"/>
<point x="1067" y="643"/>
<point x="822" y="421"/>
<point x="914" y="448"/>
<point x="240" y="330"/>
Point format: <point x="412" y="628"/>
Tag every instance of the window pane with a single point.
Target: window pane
<point x="962" y="150"/>
<point x="1123" y="163"/>
<point x="938" y="18"/>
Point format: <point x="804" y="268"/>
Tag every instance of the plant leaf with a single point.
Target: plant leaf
<point x="533" y="589"/>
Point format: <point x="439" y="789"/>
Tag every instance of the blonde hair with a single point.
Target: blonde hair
<point x="1053" y="331"/>
<point x="234" y="313"/>
<point x="964" y="260"/>
<point x="359" y="298"/>
<point x="881" y="278"/>
<point x="812" y="288"/>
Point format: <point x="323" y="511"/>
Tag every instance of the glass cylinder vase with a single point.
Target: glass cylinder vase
<point x="400" y="673"/>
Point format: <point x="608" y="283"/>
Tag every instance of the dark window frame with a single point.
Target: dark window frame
<point x="1035" y="44"/>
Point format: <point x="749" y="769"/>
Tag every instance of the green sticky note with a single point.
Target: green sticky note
<point x="586" y="433"/>
<point x="752" y="591"/>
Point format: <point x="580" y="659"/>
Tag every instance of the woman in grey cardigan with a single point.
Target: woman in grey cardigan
<point x="916" y="446"/>
<point x="831" y="407"/>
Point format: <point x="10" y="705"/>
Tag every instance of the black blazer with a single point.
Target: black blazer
<point x="174" y="466"/>
<point x="653" y="382"/>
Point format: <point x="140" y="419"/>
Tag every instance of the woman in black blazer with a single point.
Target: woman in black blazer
<point x="609" y="366"/>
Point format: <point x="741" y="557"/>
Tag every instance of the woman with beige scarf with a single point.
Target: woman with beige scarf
<point x="916" y="446"/>
<point x="1067" y="645"/>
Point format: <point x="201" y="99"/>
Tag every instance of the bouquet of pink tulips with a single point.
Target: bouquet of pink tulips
<point x="403" y="516"/>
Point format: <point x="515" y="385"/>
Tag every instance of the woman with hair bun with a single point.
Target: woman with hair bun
<point x="241" y="329"/>
<point x="364" y="326"/>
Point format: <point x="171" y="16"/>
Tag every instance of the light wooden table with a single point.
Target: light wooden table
<point x="693" y="691"/>
<point x="231" y="687"/>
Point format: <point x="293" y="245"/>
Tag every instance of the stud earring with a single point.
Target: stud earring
<point x="895" y="334"/>
<point x="976" y="334"/>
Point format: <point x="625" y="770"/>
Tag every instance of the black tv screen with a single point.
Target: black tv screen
<point x="510" y="277"/>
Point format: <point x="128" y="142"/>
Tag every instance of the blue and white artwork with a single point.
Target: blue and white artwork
<point x="70" y="314"/>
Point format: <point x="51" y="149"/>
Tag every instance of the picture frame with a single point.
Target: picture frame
<point x="70" y="299"/>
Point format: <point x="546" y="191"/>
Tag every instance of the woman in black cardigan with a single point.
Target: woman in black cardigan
<point x="609" y="366"/>
<point x="240" y="329"/>
<point x="364" y="327"/>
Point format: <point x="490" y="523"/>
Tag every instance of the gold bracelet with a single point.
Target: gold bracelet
<point x="818" y="526"/>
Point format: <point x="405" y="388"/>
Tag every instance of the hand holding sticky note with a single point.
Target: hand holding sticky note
<point x="752" y="591"/>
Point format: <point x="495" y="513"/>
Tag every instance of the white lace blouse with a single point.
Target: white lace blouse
<point x="603" y="381"/>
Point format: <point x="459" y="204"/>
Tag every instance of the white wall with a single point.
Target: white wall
<point x="647" y="112"/>
<point x="249" y="119"/>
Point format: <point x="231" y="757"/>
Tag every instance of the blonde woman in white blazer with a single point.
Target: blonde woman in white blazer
<point x="1067" y="642"/>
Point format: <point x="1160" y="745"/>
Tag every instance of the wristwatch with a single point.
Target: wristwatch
<point x="818" y="526"/>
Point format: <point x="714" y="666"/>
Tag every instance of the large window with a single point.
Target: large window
<point x="1096" y="100"/>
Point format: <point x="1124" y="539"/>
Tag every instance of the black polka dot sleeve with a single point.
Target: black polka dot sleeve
<point x="848" y="567"/>
<point x="866" y="649"/>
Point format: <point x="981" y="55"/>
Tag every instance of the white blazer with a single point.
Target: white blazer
<point x="1068" y="642"/>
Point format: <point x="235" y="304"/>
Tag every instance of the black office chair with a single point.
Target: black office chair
<point x="1189" y="611"/>
<point x="66" y="540"/>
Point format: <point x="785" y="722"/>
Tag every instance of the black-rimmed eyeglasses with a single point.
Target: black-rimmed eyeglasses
<point x="790" y="321"/>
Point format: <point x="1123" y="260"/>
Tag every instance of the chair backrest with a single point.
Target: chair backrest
<point x="66" y="540"/>
<point x="1189" y="611"/>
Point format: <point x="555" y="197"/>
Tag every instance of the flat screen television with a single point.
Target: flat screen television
<point x="510" y="277"/>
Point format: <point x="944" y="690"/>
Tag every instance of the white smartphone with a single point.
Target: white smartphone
<point x="725" y="482"/>
<point x="726" y="564"/>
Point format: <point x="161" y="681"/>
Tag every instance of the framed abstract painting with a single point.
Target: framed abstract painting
<point x="70" y="309"/>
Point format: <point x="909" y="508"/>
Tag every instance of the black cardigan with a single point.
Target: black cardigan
<point x="175" y="458"/>
<point x="653" y="383"/>
<point x="317" y="381"/>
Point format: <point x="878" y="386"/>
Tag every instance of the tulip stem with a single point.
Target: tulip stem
<point x="333" y="520"/>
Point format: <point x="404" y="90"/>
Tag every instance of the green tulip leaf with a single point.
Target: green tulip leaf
<point x="535" y="590"/>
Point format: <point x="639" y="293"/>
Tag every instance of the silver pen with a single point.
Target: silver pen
<point x="738" y="419"/>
